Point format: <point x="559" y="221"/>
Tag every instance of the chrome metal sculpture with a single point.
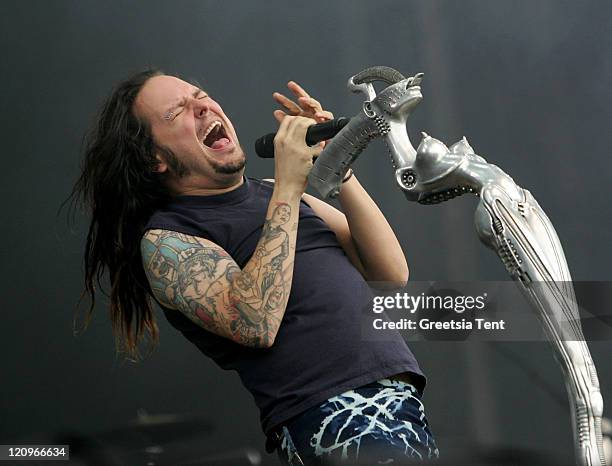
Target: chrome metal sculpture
<point x="508" y="220"/>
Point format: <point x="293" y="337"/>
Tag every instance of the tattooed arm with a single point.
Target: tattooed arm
<point x="200" y="279"/>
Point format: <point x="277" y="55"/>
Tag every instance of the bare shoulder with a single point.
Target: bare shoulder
<point x="158" y="236"/>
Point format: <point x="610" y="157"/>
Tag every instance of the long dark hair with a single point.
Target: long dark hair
<point x="121" y="189"/>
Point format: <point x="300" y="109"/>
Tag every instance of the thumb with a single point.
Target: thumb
<point x="279" y="115"/>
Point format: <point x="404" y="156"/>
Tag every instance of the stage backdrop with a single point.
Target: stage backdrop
<point x="529" y="84"/>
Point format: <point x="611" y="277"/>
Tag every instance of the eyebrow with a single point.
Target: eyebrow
<point x="178" y="102"/>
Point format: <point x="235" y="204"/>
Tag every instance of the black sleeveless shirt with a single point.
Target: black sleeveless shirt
<point x="318" y="351"/>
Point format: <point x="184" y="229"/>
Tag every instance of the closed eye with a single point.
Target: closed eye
<point x="172" y="114"/>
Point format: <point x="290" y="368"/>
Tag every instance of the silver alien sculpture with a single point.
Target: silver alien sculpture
<point x="508" y="220"/>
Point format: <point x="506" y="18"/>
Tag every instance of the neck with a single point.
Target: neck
<point x="193" y="187"/>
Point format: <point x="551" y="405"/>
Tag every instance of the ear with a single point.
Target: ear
<point x="162" y="166"/>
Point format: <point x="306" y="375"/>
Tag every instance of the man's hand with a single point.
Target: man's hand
<point x="306" y="106"/>
<point x="293" y="160"/>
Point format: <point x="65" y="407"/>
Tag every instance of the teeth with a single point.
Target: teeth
<point x="212" y="126"/>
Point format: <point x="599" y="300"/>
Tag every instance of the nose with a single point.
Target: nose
<point x="200" y="108"/>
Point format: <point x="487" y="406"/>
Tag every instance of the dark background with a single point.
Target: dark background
<point x="529" y="84"/>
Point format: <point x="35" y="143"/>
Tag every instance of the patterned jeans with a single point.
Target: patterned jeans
<point x="380" y="423"/>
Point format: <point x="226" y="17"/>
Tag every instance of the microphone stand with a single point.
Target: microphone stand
<point x="508" y="220"/>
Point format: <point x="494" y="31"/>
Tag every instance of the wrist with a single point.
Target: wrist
<point x="348" y="175"/>
<point x="287" y="192"/>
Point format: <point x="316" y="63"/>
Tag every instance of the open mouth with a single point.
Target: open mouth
<point x="215" y="136"/>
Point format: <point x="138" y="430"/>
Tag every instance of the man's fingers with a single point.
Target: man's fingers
<point x="289" y="104"/>
<point x="297" y="128"/>
<point x="317" y="149"/>
<point x="284" y="125"/>
<point x="292" y="126"/>
<point x="310" y="105"/>
<point x="297" y="90"/>
<point x="319" y="117"/>
<point x="292" y="130"/>
<point x="323" y="115"/>
<point x="306" y="106"/>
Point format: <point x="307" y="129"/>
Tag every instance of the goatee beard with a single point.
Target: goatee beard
<point x="229" y="169"/>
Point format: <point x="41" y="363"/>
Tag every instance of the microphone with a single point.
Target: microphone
<point x="264" y="146"/>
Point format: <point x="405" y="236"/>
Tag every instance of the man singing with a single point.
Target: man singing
<point x="264" y="279"/>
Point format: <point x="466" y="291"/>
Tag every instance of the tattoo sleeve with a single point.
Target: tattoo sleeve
<point x="200" y="279"/>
